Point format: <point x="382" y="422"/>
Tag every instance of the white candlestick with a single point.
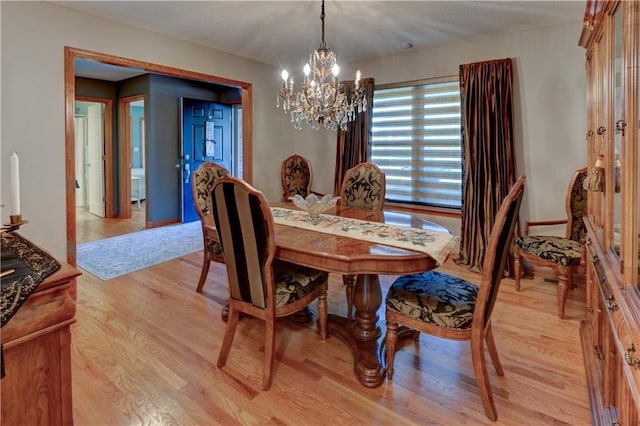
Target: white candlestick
<point x="15" y="183"/>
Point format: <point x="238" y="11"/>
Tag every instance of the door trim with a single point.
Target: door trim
<point x="108" y="150"/>
<point x="72" y="53"/>
<point x="126" y="160"/>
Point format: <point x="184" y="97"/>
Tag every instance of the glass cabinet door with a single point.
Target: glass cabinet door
<point x="615" y="152"/>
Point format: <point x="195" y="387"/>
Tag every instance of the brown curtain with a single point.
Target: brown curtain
<point x="354" y="144"/>
<point x="488" y="168"/>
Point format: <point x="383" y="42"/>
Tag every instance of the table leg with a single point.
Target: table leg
<point x="364" y="334"/>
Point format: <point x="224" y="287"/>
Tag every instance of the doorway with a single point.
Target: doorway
<point x="206" y="136"/>
<point x="133" y="182"/>
<point x="72" y="55"/>
<point x="90" y="187"/>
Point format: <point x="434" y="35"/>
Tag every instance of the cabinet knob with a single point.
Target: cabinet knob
<point x="601" y="130"/>
<point x="620" y="125"/>
<point x="631" y="360"/>
<point x="611" y="303"/>
<point x="599" y="352"/>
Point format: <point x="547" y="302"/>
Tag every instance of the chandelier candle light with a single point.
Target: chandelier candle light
<point x="321" y="99"/>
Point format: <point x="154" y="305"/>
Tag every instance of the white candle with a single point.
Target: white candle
<point x="15" y="183"/>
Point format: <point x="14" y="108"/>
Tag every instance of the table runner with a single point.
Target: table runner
<point x="31" y="265"/>
<point x="438" y="245"/>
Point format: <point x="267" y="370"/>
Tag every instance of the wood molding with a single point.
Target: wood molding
<point x="73" y="53"/>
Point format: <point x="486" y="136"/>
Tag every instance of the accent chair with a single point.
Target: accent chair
<point x="297" y="175"/>
<point x="260" y="285"/>
<point x="452" y="308"/>
<point x="202" y="182"/>
<point x="363" y="187"/>
<point x="563" y="254"/>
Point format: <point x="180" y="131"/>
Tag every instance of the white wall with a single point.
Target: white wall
<point x="34" y="35"/>
<point x="549" y="103"/>
<point x="549" y="117"/>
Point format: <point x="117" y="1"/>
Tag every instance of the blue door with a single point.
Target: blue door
<point x="206" y="136"/>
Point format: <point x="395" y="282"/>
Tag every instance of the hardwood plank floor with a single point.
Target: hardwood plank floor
<point x="145" y="347"/>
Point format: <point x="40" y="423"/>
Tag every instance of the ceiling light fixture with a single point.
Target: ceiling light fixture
<point x="321" y="99"/>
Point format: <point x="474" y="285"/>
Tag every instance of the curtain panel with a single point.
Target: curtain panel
<point x="489" y="168"/>
<point x="354" y="144"/>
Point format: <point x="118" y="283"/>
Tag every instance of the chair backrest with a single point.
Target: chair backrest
<point x="576" y="206"/>
<point x="495" y="258"/>
<point x="363" y="187"/>
<point x="202" y="181"/>
<point x="245" y="227"/>
<point x="296" y="176"/>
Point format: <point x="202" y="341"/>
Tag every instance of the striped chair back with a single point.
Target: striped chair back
<point x="245" y="226"/>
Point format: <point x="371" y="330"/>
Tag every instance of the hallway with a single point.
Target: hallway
<point x="90" y="227"/>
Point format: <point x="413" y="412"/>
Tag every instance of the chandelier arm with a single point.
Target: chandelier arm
<point x="322" y="99"/>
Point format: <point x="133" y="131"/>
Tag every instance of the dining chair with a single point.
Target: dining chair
<point x="202" y="182"/>
<point x="297" y="175"/>
<point x="452" y="308"/>
<point x="563" y="254"/>
<point x="260" y="286"/>
<point x="363" y="187"/>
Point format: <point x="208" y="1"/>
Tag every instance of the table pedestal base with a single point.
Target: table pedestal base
<point x="367" y="361"/>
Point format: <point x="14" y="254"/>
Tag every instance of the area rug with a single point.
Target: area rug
<point x="115" y="256"/>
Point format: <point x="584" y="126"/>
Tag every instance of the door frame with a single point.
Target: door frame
<point x="108" y="151"/>
<point x="126" y="158"/>
<point x="71" y="54"/>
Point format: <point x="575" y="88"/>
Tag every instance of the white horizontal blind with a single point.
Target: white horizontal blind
<point x="417" y="142"/>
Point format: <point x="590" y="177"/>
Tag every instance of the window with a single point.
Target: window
<point x="417" y="141"/>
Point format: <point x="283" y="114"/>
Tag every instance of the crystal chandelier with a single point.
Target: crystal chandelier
<point x="321" y="99"/>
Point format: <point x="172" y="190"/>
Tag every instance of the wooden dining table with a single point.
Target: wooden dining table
<point x="350" y="256"/>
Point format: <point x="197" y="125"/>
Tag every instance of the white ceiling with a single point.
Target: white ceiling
<point x="284" y="33"/>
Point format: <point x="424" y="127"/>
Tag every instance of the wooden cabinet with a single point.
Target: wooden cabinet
<point x="36" y="345"/>
<point x="611" y="332"/>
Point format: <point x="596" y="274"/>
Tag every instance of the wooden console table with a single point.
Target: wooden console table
<point x="36" y="346"/>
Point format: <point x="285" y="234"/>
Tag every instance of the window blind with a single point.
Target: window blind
<point x="417" y="143"/>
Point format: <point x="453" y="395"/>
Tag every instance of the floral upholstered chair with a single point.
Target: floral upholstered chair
<point x="452" y="308"/>
<point x="201" y="185"/>
<point x="259" y="285"/>
<point x="296" y="176"/>
<point x="563" y="254"/>
<point x="363" y="187"/>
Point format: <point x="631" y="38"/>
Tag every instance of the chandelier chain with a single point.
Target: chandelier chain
<point x="323" y="45"/>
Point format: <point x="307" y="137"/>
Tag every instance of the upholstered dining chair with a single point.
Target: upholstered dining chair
<point x="563" y="254"/>
<point x="450" y="307"/>
<point x="363" y="187"/>
<point x="297" y="176"/>
<point x="260" y="286"/>
<point x="202" y="182"/>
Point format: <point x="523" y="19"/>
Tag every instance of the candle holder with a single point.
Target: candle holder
<point x="15" y="221"/>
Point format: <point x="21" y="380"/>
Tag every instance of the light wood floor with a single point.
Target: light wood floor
<point x="90" y="227"/>
<point x="145" y="347"/>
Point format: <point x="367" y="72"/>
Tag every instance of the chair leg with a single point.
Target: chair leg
<point x="493" y="351"/>
<point x="517" y="268"/>
<point x="349" y="281"/>
<point x="269" y="344"/>
<point x="203" y="273"/>
<point x="482" y="378"/>
<point x="323" y="314"/>
<point x="229" y="334"/>
<point x="563" y="292"/>
<point x="391" y="344"/>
